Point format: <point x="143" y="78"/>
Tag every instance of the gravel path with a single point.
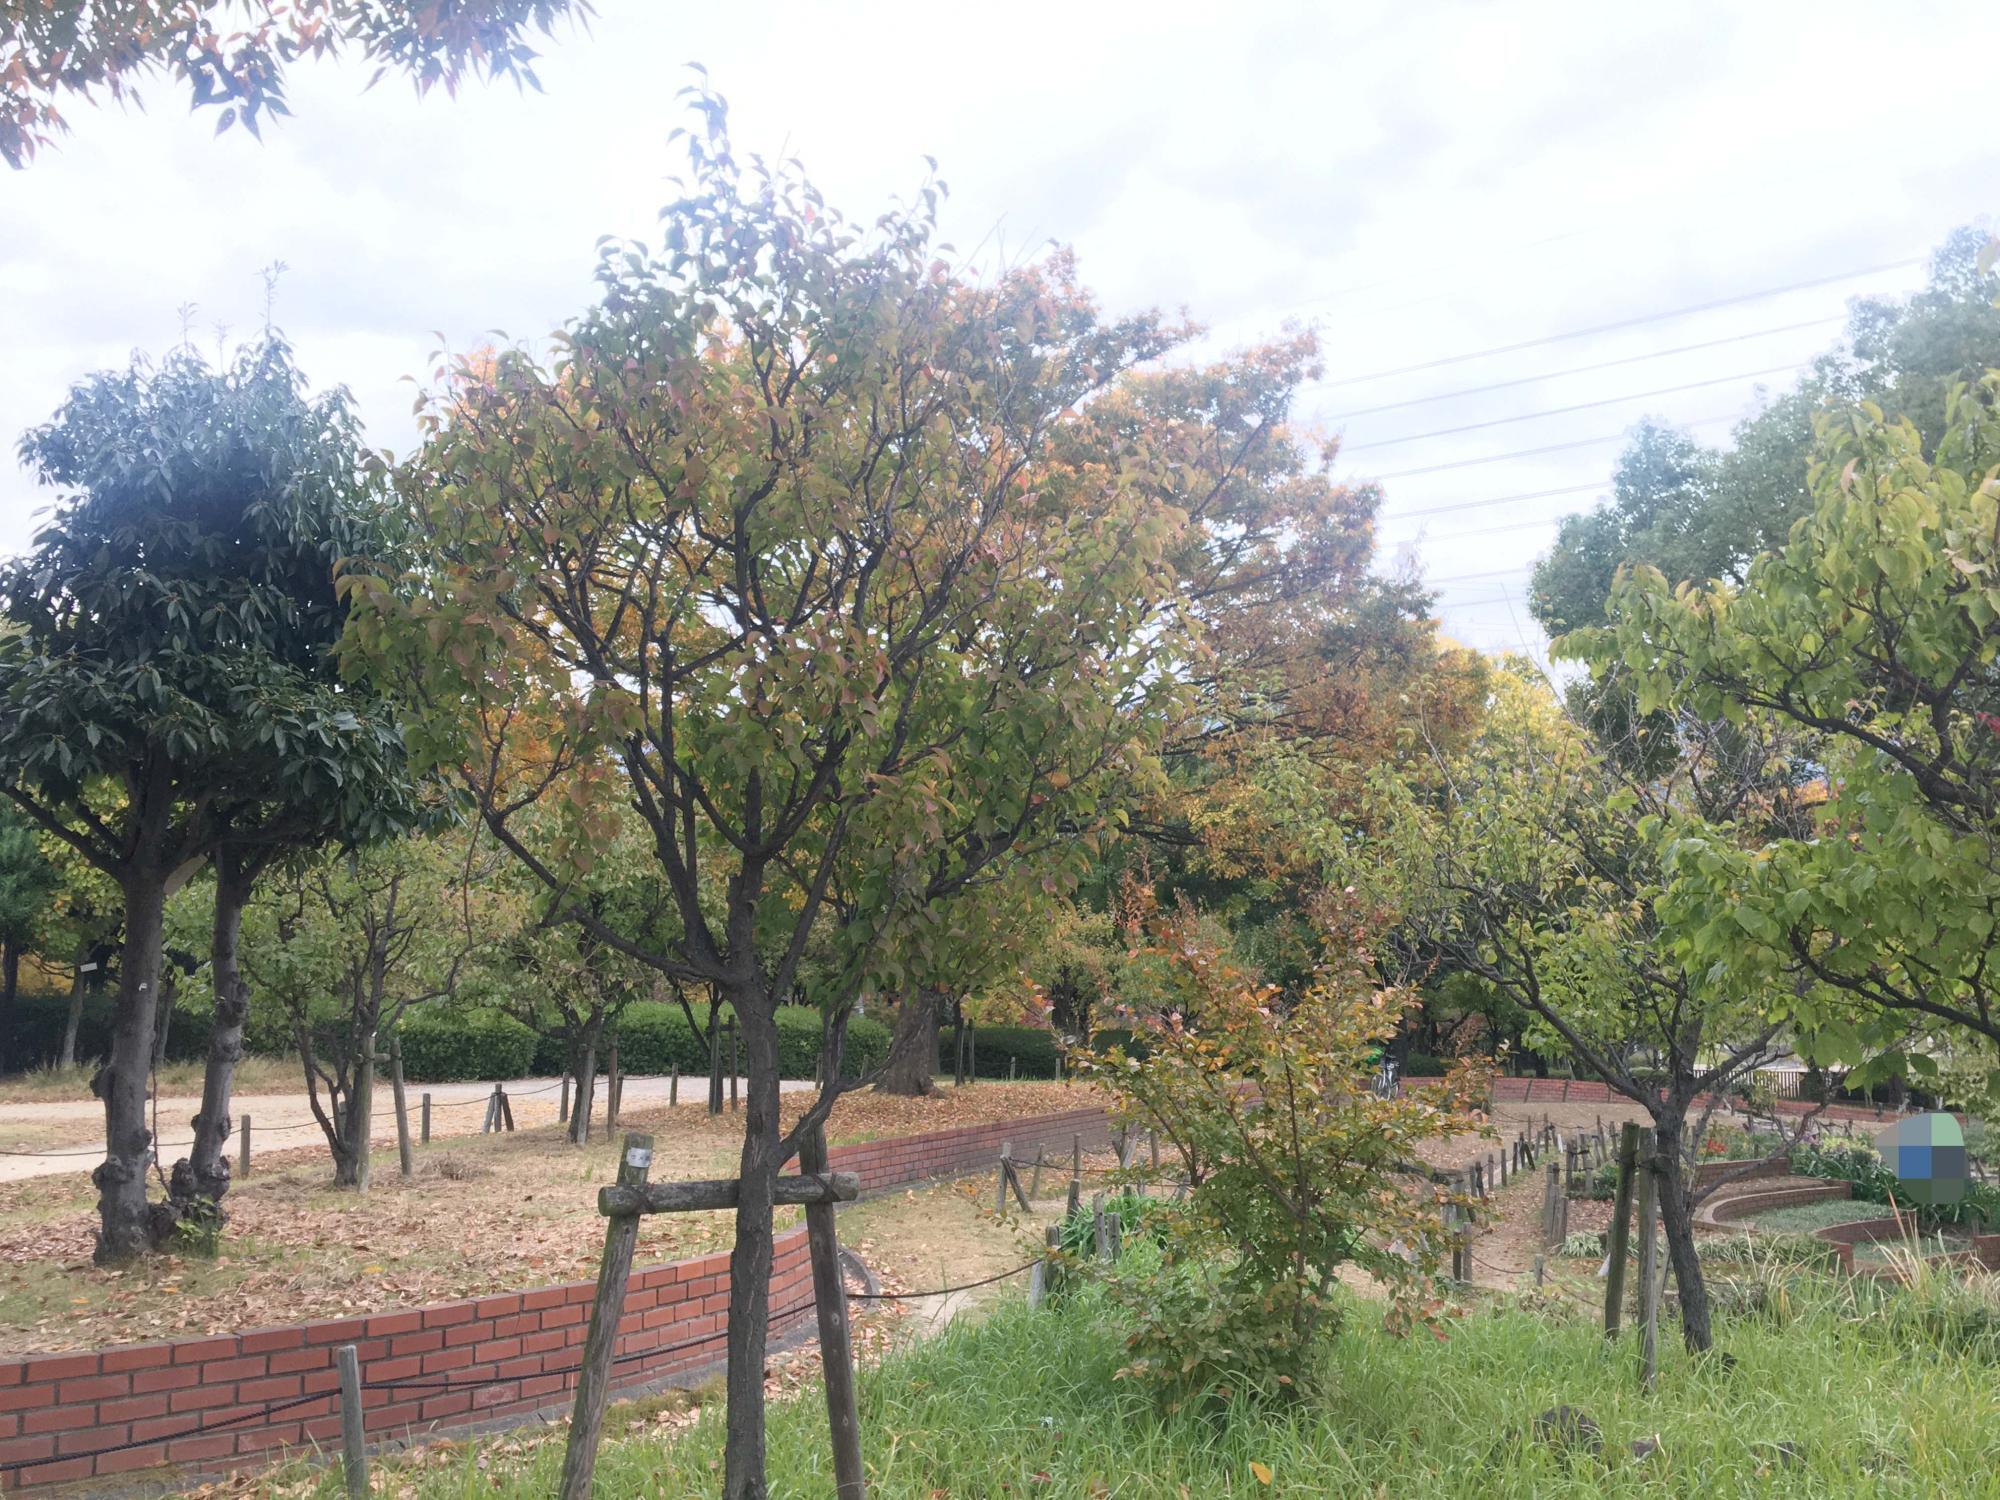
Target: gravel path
<point x="285" y="1121"/>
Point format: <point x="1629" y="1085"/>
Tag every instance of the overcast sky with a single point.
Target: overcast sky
<point x="1421" y="181"/>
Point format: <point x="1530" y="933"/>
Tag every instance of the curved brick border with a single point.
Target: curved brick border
<point x="519" y="1346"/>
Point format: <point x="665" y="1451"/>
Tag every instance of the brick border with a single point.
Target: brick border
<point x="55" y="1409"/>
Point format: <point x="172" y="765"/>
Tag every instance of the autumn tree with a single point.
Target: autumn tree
<point x="1872" y="634"/>
<point x="163" y="668"/>
<point x="233" y="58"/>
<point x="821" y="558"/>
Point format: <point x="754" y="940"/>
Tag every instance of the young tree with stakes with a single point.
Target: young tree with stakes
<point x="817" y="557"/>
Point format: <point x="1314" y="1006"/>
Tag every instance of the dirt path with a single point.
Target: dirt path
<point x="46" y="1137"/>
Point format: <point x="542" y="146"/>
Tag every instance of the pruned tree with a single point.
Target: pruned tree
<point x="163" y="669"/>
<point x="233" y="57"/>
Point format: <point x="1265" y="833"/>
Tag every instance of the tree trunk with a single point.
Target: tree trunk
<point x="77" y="989"/>
<point x="125" y="1220"/>
<point x="586" y="1081"/>
<point x="1677" y="1222"/>
<point x="750" y="1259"/>
<point x="208" y="1158"/>
<point x="361" y="1111"/>
<point x="913" y="1050"/>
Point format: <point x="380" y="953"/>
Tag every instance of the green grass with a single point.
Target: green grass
<point x="1803" y="1218"/>
<point x="1881" y="1397"/>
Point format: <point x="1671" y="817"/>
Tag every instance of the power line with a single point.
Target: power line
<point x="1608" y="364"/>
<point x="1459" y="536"/>
<point x="1475" y="577"/>
<point x="1613" y="327"/>
<point x="1494" y="458"/>
<point x="1438" y="510"/>
<point x="1561" y="411"/>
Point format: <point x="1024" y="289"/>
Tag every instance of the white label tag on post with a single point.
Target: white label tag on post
<point x="639" y="1157"/>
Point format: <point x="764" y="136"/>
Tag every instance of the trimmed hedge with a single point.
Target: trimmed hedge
<point x="34" y="1030"/>
<point x="654" y="1038"/>
<point x="1032" y="1051"/>
<point x="465" y="1045"/>
<point x="1423" y="1065"/>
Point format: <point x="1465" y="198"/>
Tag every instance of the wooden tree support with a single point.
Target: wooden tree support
<point x="1618" y="1242"/>
<point x="623" y="1203"/>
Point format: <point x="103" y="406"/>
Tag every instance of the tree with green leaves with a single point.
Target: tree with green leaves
<point x="1872" y="634"/>
<point x="1538" y="862"/>
<point x="233" y="57"/>
<point x="164" y="667"/>
<point x="827" y="562"/>
<point x="1696" y="513"/>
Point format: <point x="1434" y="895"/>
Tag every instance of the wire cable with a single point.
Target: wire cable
<point x="1623" y="323"/>
<point x="1562" y="411"/>
<point x="1494" y="458"/>
<point x="1606" y="364"/>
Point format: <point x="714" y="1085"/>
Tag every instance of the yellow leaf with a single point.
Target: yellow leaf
<point x="1263" y="1474"/>
<point x="371" y="1270"/>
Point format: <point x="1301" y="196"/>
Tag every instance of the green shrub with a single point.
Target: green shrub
<point x="1423" y="1065"/>
<point x="31" y="1035"/>
<point x="449" y="1046"/>
<point x="655" y="1038"/>
<point x="1031" y="1051"/>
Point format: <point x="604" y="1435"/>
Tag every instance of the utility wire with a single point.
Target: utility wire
<point x="1608" y="364"/>
<point x="1560" y="411"/>
<point x="1621" y="323"/>
<point x="1457" y="505"/>
<point x="1494" y="458"/>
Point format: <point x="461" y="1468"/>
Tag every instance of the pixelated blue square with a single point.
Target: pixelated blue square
<point x="1913" y="1162"/>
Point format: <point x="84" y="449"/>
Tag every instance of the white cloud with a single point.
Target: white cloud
<point x="1420" y="180"/>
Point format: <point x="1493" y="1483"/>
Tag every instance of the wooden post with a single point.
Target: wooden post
<point x="492" y="1121"/>
<point x="1075" y="1155"/>
<point x="1038" y="1279"/>
<point x="735" y="1064"/>
<point x="1619" y="1241"/>
<point x="1000" y="1201"/>
<point x="1649" y="1285"/>
<point x="1099" y="1232"/>
<point x="506" y="1107"/>
<point x="611" y="1089"/>
<point x="1114" y="1234"/>
<point x="353" y="1445"/>
<point x="243" y="1149"/>
<point x="1035" y="1183"/>
<point x="562" y="1101"/>
<point x="1075" y="1199"/>
<point x="593" y="1381"/>
<point x="1538" y="1270"/>
<point x="403" y="1158"/>
<point x="1551" y="1193"/>
<point x="674" y="1087"/>
<point x="836" y="1354"/>
<point x="1012" y="1064"/>
<point x="427" y="1117"/>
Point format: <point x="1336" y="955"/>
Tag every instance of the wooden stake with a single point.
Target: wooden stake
<point x="674" y="1087"/>
<point x="1621" y="1230"/>
<point x="427" y="1117"/>
<point x="835" y="1350"/>
<point x="1114" y="1235"/>
<point x="1075" y="1199"/>
<point x="1035" y="1183"/>
<point x="593" y="1383"/>
<point x="243" y="1149"/>
<point x="1038" y="1279"/>
<point x="506" y="1106"/>
<point x="562" y="1101"/>
<point x="1076" y="1155"/>
<point x="1649" y="1285"/>
<point x="403" y="1157"/>
<point x="353" y="1444"/>
<point x="611" y="1092"/>
<point x="1000" y="1199"/>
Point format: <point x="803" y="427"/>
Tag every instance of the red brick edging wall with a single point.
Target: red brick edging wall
<point x="507" y="1354"/>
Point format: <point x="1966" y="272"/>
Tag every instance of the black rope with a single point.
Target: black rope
<point x="943" y="1291"/>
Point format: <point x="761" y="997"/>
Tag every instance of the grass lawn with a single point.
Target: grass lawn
<point x="1832" y="1397"/>
<point x="1804" y="1218"/>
